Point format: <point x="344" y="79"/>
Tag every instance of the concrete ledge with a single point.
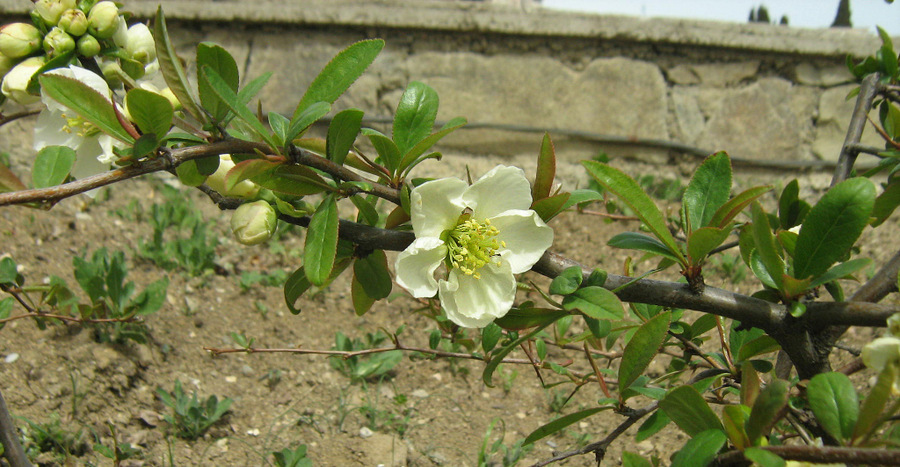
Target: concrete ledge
<point x="505" y="20"/>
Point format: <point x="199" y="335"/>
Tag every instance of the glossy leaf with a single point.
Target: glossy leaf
<point x="833" y="400"/>
<point x="337" y="76"/>
<point x="415" y="115"/>
<point x="687" y="408"/>
<point x="548" y="208"/>
<point x="886" y="203"/>
<point x="230" y="99"/>
<point x="560" y="423"/>
<point x="631" y="194"/>
<point x="641" y="242"/>
<point x="652" y="425"/>
<point x="490" y="336"/>
<point x="248" y="169"/>
<point x="832" y="226"/>
<point x="170" y="66"/>
<point x="294" y="287"/>
<point x="567" y="281"/>
<point x="630" y="459"/>
<point x="302" y="122"/>
<point x="734" y="418"/>
<point x="518" y="319"/>
<point x="870" y="414"/>
<point x="700" y="450"/>
<point x="791" y="209"/>
<point x="642" y="347"/>
<point x="189" y="174"/>
<point x="87" y="103"/>
<point x="764" y="458"/>
<point x="293" y="180"/>
<point x="52" y="165"/>
<point x="755" y="347"/>
<point x="342" y="134"/>
<point x="582" y="196"/>
<point x="703" y="240"/>
<point x="373" y="274"/>
<point x="362" y="301"/>
<point x="151" y="112"/>
<point x="412" y="156"/>
<point x="766" y="248"/>
<point x="546" y="170"/>
<point x="596" y="302"/>
<point x="707" y="191"/>
<point x="841" y="270"/>
<point x="385" y="147"/>
<point x="321" y="242"/>
<point x="767" y="408"/>
<point x="728" y="211"/>
<point x="217" y="58"/>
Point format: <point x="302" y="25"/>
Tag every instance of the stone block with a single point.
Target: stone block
<point x="831" y="126"/>
<point x="822" y="75"/>
<point x="714" y="74"/>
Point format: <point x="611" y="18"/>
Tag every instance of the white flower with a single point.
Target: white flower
<point x="15" y="83"/>
<point x="882" y="353"/>
<point x="57" y="125"/>
<point x="483" y="234"/>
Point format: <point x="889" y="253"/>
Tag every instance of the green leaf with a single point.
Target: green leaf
<point x="548" y="208"/>
<point x="703" y="240"/>
<point x="642" y="347"/>
<point x="567" y="281"/>
<point x="189" y="174"/>
<point x="217" y="58"/>
<point x="596" y="302"/>
<point x="630" y="459"/>
<point x="870" y="414"/>
<point x="791" y="209"/>
<point x="560" y="423"/>
<point x="348" y="65"/>
<point x="295" y="180"/>
<point x="755" y="347"/>
<point x="841" y="270"/>
<point x="415" y="115"/>
<point x="87" y="103"/>
<point x="734" y="418"/>
<point x="641" y="242"/>
<point x="362" y="302"/>
<point x="687" y="408"/>
<point x="766" y="409"/>
<point x="652" y="425"/>
<point x="9" y="181"/>
<point x="832" y="226"/>
<point x="764" y="458"/>
<point x="170" y="66"/>
<point x="145" y="145"/>
<point x="833" y="400"/>
<point x="8" y="271"/>
<point x="279" y="124"/>
<point x="373" y="274"/>
<point x="294" y="287"/>
<point x="582" y="196"/>
<point x="321" y="242"/>
<point x="248" y="169"/>
<point x="886" y="203"/>
<point x="490" y="336"/>
<point x="302" y="122"/>
<point x="519" y="318"/>
<point x="342" y="134"/>
<point x="411" y="158"/>
<point x="766" y="248"/>
<point x="700" y="450"/>
<point x="707" y="191"/>
<point x="230" y="99"/>
<point x="631" y="194"/>
<point x="546" y="170"/>
<point x="728" y="211"/>
<point x="52" y="165"/>
<point x="152" y="113"/>
<point x="385" y="147"/>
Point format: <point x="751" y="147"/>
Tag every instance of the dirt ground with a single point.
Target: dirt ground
<point x="422" y="413"/>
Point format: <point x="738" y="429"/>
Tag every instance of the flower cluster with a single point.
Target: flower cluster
<point x="483" y="234"/>
<point x="82" y="29"/>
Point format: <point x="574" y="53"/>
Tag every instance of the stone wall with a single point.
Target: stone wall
<point x="758" y="91"/>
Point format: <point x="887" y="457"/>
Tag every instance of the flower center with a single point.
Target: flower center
<point x="472" y="244"/>
<point x="79" y="126"/>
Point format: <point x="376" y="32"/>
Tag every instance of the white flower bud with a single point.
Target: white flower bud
<point x="245" y="189"/>
<point x="6" y="64"/>
<point x="103" y="20"/>
<point x="881" y="352"/>
<point x="74" y="22"/>
<point x="893" y="325"/>
<point x="19" y="40"/>
<point x="139" y="43"/>
<point x="15" y="83"/>
<point x="254" y="223"/>
<point x="58" y="42"/>
<point x="88" y="46"/>
<point x="51" y="10"/>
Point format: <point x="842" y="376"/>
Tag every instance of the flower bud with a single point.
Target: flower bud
<point x="245" y="189"/>
<point x="73" y="22"/>
<point x="19" y="40"/>
<point x="881" y="352"/>
<point x="58" y="42"/>
<point x="15" y="83"/>
<point x="88" y="46"/>
<point x="51" y="10"/>
<point x="103" y="20"/>
<point x="6" y="64"/>
<point x="139" y="43"/>
<point x="254" y="223"/>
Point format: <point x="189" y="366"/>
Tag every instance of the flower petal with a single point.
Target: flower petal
<point x="416" y="264"/>
<point x="527" y="237"/>
<point x="475" y="303"/>
<point x="436" y="206"/>
<point x="501" y="189"/>
<point x="48" y="131"/>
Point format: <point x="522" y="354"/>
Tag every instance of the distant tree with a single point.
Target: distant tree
<point x="842" y="19"/>
<point x="784" y="20"/>
<point x="759" y="15"/>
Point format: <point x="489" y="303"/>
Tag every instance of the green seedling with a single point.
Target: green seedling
<point x="360" y="368"/>
<point x="191" y="417"/>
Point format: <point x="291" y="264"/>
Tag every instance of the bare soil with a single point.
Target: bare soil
<point x="424" y="412"/>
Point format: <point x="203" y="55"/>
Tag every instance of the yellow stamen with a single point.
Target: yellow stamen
<point x="472" y="245"/>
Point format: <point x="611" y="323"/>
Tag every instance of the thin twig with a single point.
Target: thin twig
<point x="822" y="454"/>
<point x="848" y="154"/>
<point x="883" y="133"/>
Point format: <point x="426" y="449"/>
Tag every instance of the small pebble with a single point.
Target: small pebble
<point x="365" y="432"/>
<point x="253" y="432"/>
<point x="11" y="358"/>
<point x="231" y="379"/>
<point x="420" y="393"/>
